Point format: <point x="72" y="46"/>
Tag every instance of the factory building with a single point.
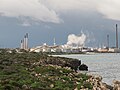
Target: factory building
<point x="58" y="48"/>
<point x="46" y="48"/>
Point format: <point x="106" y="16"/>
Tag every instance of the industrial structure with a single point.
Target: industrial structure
<point x="66" y="48"/>
<point x="107" y="41"/>
<point x="115" y="49"/>
<point x="116" y="36"/>
<point x="77" y="49"/>
<point x="24" y="42"/>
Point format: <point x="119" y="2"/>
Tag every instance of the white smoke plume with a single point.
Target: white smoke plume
<point x="76" y="40"/>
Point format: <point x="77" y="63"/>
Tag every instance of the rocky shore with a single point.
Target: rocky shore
<point x="96" y="82"/>
<point x="38" y="71"/>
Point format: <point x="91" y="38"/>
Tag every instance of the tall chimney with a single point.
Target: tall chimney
<point x="108" y="41"/>
<point x="116" y="36"/>
<point x="21" y="46"/>
<point x="26" y="41"/>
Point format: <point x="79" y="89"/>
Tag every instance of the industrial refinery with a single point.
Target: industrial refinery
<point x="75" y="44"/>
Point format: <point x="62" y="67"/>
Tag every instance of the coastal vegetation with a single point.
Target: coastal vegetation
<point x="23" y="70"/>
<point x="37" y="71"/>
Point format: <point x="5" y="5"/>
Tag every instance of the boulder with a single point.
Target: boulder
<point x="116" y="85"/>
<point x="83" y="67"/>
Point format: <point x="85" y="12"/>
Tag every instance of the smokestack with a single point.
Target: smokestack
<point x="116" y="36"/>
<point x="26" y="41"/>
<point x="108" y="41"/>
<point x="21" y="46"/>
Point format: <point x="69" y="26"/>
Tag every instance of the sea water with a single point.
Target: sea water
<point x="106" y="65"/>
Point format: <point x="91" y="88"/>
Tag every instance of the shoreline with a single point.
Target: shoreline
<point x="21" y="71"/>
<point x="108" y="79"/>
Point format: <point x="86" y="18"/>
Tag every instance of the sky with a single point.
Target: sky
<point x="45" y="20"/>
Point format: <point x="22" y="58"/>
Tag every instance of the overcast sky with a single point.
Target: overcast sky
<point x="46" y="19"/>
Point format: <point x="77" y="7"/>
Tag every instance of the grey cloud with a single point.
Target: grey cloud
<point x="51" y="10"/>
<point x="33" y="9"/>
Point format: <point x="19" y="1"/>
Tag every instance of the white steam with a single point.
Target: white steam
<point x="76" y="40"/>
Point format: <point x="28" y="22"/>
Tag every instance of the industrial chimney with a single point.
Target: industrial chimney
<point x="108" y="41"/>
<point x="24" y="42"/>
<point x="116" y="36"/>
<point x="21" y="44"/>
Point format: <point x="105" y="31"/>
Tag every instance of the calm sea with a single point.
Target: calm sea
<point x="105" y="65"/>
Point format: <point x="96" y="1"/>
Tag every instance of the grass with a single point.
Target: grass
<point x="17" y="71"/>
